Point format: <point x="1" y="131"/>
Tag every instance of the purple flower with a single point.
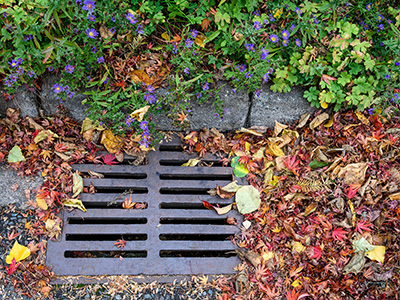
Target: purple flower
<point x="298" y="11"/>
<point x="106" y="81"/>
<point x="380" y="18"/>
<point x="380" y="27"/>
<point x="274" y="38"/>
<point x="174" y="48"/>
<point x="78" y="2"/>
<point x="397" y="64"/>
<point x="316" y="20"/>
<point x="265" y="78"/>
<point x="92" y="33"/>
<point x="13" y="63"/>
<point x="257" y="92"/>
<point x="28" y="37"/>
<point x="57" y="88"/>
<point x="139" y="29"/>
<point x="285" y="43"/>
<point x="186" y="70"/>
<point x="93" y="50"/>
<point x="292" y="27"/>
<point x="217" y="115"/>
<point x="129" y="121"/>
<point x="8" y="82"/>
<point x="113" y="19"/>
<point x="194" y="33"/>
<point x="70" y="94"/>
<point x="257" y="13"/>
<point x="371" y="111"/>
<point x="143" y="125"/>
<point x="150" y="88"/>
<point x="149" y="98"/>
<point x="92" y="18"/>
<point x="13" y="77"/>
<point x="270" y="71"/>
<point x="233" y="90"/>
<point x="368" y="7"/>
<point x="266" y="22"/>
<point x="264" y="53"/>
<point x="20" y="71"/>
<point x="271" y="17"/>
<point x="112" y="30"/>
<point x="50" y="69"/>
<point x="188" y="43"/>
<point x="194" y="53"/>
<point x="198" y="95"/>
<point x="381" y="44"/>
<point x="257" y="25"/>
<point x="387" y="77"/>
<point x="250" y="47"/>
<point x="69" y="69"/>
<point x="297" y="42"/>
<point x="100" y="60"/>
<point x="248" y="75"/>
<point x="89" y="5"/>
<point x="131" y="18"/>
<point x="285" y="34"/>
<point x="31" y="74"/>
<point x="205" y="86"/>
<point x="241" y="67"/>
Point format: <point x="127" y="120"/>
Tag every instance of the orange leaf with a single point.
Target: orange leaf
<point x="140" y="76"/>
<point x="327" y="78"/>
<point x="205" y="24"/>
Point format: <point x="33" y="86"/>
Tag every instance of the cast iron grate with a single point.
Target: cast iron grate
<point x="173" y="235"/>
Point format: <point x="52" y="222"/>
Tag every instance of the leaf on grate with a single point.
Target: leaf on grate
<point x="109" y="159"/>
<point x="223" y="194"/>
<point x="75" y="203"/>
<point x="220" y="210"/>
<point x="128" y="204"/>
<point x="111" y="142"/>
<point x="191" y="162"/>
<point x="78" y="184"/>
<point x="247" y="199"/>
<point x="120" y="244"/>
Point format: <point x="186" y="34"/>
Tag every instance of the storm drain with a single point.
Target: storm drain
<point x="168" y="232"/>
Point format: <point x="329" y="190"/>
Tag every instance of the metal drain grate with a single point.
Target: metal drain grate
<point x="173" y="235"/>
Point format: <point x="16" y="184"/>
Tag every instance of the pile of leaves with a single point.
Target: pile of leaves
<point x="328" y="223"/>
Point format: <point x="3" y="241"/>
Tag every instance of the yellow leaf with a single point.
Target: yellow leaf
<point x="378" y="253"/>
<point x="199" y="40"/>
<point x="139" y="113"/>
<point x="41" y="203"/>
<point x="296" y="283"/>
<point x="140" y="76"/>
<point x="275" y="150"/>
<point x="18" y="252"/>
<point x="191" y="162"/>
<point x="112" y="142"/>
<point x="278" y="128"/>
<point x="75" y="203"/>
<point x="353" y="212"/>
<point x="318" y="120"/>
<point x="49" y="224"/>
<point x="329" y="124"/>
<point x="165" y="36"/>
<point x="247" y="146"/>
<point x="276" y="229"/>
<point x="268" y="255"/>
<point x="298" y="247"/>
<point x="324" y="104"/>
<point x="361" y="117"/>
<point x="278" y="13"/>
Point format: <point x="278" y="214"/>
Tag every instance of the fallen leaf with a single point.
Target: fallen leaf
<point x="44" y="135"/>
<point x="75" y="203"/>
<point x="239" y="169"/>
<point x="362" y="245"/>
<point x="219" y="210"/>
<point x="140" y="76"/>
<point x="78" y="184"/>
<point x="95" y="174"/>
<point x="18" y="252"/>
<point x="275" y="150"/>
<point x="247" y="199"/>
<point x="354" y="173"/>
<point x="377" y="254"/>
<point x="356" y="264"/>
<point x="268" y="255"/>
<point x="298" y="247"/>
<point x="279" y="127"/>
<point x="199" y="40"/>
<point x="105" y="33"/>
<point x="191" y="162"/>
<point x="33" y="124"/>
<point x="303" y="120"/>
<point x="15" y="155"/>
<point x="232" y="187"/>
<point x="223" y="194"/>
<point x="139" y="113"/>
<point x="318" y="120"/>
<point x="41" y="202"/>
<point x="361" y="117"/>
<point x="113" y="143"/>
<point x="254" y="258"/>
<point x="250" y="131"/>
<point x="310" y="209"/>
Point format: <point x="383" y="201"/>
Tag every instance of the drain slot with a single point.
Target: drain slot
<point x="117" y="175"/>
<point x="170" y="148"/>
<point x="176" y="162"/>
<point x="106" y="221"/>
<point x="105" y="254"/>
<point x="195" y="177"/>
<point x="193" y="221"/>
<point x="117" y="190"/>
<point x="106" y="237"/>
<point x="110" y="205"/>
<point x="183" y="191"/>
<point x="179" y="205"/>
<point x="194" y="237"/>
<point x="202" y="253"/>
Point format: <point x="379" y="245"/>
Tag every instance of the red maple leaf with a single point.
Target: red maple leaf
<point x="339" y="234"/>
<point x="363" y="226"/>
<point x="314" y="252"/>
<point x="13" y="267"/>
<point x="208" y="205"/>
<point x="292" y="295"/>
<point x="352" y="191"/>
<point x="59" y="147"/>
<point x="120" y="244"/>
<point x="109" y="159"/>
<point x="292" y="163"/>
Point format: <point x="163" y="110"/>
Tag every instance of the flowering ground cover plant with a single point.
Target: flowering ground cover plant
<point x="347" y="53"/>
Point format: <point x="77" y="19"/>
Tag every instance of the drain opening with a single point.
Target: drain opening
<point x="179" y="162"/>
<point x="117" y="175"/>
<point x="117" y="190"/>
<point x="105" y="237"/>
<point x="194" y="237"/>
<point x="112" y="205"/>
<point x="105" y="254"/>
<point x="184" y="191"/>
<point x="193" y="221"/>
<point x="196" y="177"/>
<point x="107" y="221"/>
<point x="170" y="148"/>
<point x="198" y="253"/>
<point x="179" y="205"/>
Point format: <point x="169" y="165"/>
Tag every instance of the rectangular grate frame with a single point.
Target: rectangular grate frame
<point x="173" y="235"/>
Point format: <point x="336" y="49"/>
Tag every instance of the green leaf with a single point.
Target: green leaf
<point x="240" y="170"/>
<point x="350" y="28"/>
<point x="315" y="164"/>
<point x="344" y="78"/>
<point x="247" y="199"/>
<point x="362" y="245"/>
<point x="368" y="62"/>
<point x="211" y="37"/>
<point x="15" y="155"/>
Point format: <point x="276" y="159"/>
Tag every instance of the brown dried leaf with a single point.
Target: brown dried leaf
<point x="113" y="143"/>
<point x="318" y="120"/>
<point x="354" y="173"/>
